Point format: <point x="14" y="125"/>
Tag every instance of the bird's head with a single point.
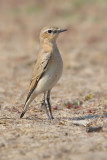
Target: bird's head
<point x="50" y="33"/>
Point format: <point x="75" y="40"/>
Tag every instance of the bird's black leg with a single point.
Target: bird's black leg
<point x="49" y="105"/>
<point x="45" y="105"/>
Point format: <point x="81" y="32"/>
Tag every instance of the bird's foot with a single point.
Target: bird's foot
<point x="50" y="117"/>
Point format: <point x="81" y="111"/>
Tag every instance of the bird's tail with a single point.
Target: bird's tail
<point x="25" y="109"/>
<point x="22" y="114"/>
<point x="27" y="103"/>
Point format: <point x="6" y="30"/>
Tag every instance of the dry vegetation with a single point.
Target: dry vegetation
<point x="83" y="84"/>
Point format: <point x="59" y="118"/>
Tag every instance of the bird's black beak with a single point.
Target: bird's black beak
<point x="62" y="30"/>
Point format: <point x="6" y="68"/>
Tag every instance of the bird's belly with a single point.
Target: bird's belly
<point x="50" y="77"/>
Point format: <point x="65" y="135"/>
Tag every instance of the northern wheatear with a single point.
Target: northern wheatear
<point x="48" y="68"/>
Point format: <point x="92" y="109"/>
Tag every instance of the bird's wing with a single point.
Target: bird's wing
<point x="39" y="70"/>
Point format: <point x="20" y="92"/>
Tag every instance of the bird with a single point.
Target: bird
<point x="47" y="71"/>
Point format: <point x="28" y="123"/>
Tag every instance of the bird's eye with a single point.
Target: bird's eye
<point x="49" y="31"/>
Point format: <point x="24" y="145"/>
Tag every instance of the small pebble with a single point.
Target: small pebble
<point x="93" y="129"/>
<point x="55" y="107"/>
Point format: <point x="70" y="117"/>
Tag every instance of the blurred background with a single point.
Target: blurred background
<point x="83" y="48"/>
<point x="84" y="80"/>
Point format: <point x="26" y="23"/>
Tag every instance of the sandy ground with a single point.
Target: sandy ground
<point x="83" y="83"/>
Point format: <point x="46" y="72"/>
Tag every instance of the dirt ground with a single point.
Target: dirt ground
<point x="79" y="100"/>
